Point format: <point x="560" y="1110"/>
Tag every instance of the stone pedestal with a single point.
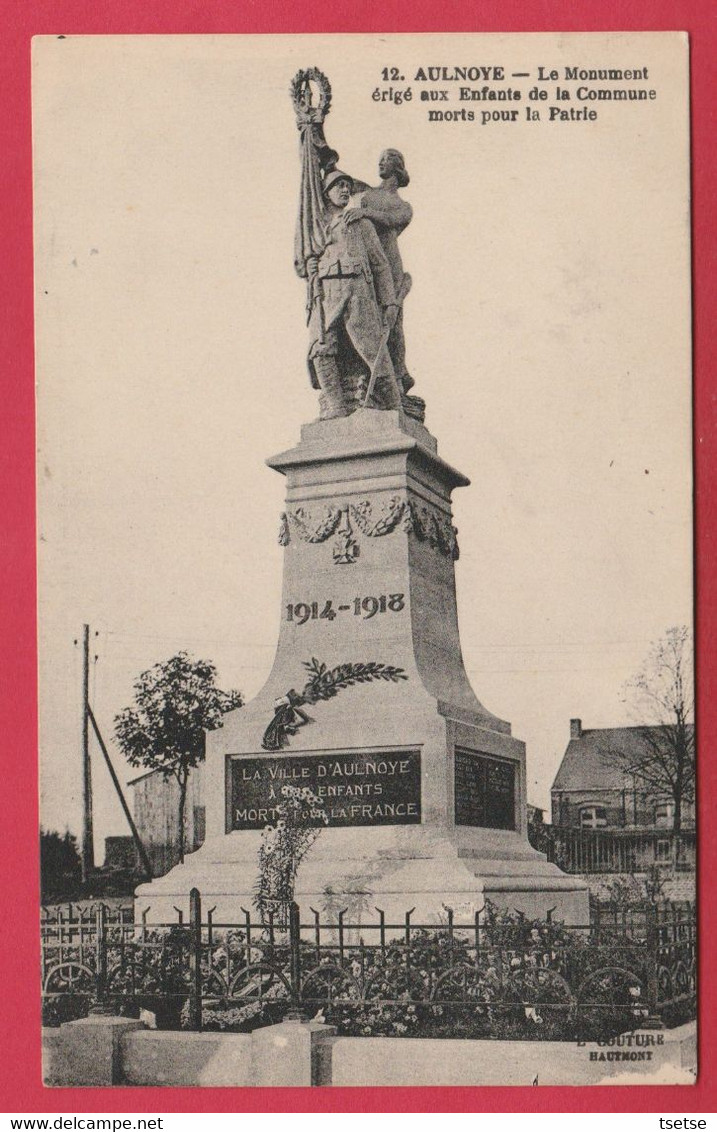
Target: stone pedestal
<point x="87" y="1051"/>
<point x="424" y="786"/>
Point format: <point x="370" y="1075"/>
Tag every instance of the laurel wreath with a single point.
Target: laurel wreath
<point x="388" y="519"/>
<point x="306" y="530"/>
<point x="298" y="89"/>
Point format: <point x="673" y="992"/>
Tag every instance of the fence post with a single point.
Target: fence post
<point x="100" y="1006"/>
<point x="195" y="960"/>
<point x="653" y="943"/>
<point x="295" y="1012"/>
<point x="596" y="909"/>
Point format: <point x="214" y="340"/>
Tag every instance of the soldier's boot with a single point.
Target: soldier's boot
<point x="386" y="394"/>
<point x="332" y="402"/>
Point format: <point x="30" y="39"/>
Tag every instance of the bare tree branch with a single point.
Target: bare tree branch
<point x="663" y="691"/>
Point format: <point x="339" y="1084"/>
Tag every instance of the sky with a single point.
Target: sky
<point x="548" y="330"/>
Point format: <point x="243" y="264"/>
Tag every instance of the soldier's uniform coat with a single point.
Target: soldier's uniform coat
<point x="356" y="283"/>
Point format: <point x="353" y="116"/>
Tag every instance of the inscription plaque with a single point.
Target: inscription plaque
<point x="484" y="790"/>
<point x="355" y="789"/>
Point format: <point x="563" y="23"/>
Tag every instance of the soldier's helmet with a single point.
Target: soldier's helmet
<point x="334" y="176"/>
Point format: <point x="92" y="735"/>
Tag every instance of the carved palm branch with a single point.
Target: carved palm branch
<point x="325" y="683"/>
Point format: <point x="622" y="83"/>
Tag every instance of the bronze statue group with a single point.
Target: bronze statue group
<point x="347" y="250"/>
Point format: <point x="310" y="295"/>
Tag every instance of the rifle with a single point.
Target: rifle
<point x="316" y="296"/>
<point x="400" y="296"/>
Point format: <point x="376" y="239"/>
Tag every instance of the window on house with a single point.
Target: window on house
<point x="593" y="817"/>
<point x="662" y="849"/>
<point x="664" y="815"/>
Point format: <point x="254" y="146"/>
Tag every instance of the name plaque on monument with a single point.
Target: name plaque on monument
<point x="354" y="789"/>
<point x="484" y="790"/>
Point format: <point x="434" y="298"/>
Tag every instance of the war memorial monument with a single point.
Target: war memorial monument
<point x="368" y="703"/>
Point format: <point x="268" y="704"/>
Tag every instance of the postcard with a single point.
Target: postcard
<point x="365" y="554"/>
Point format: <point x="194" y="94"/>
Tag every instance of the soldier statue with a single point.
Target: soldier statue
<point x="353" y="304"/>
<point x="355" y="278"/>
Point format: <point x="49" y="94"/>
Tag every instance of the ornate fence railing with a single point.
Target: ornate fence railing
<point x="588" y="851"/>
<point x="633" y="965"/>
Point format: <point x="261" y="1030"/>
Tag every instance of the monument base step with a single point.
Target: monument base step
<point x="429" y="885"/>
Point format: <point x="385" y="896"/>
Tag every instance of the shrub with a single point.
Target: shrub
<point x="62" y="1008"/>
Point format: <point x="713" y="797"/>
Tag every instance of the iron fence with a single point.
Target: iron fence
<point x="632" y="964"/>
<point x="617" y="850"/>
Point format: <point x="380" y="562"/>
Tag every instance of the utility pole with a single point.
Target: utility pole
<point x="89" y="721"/>
<point x="88" y="849"/>
<point x="146" y="863"/>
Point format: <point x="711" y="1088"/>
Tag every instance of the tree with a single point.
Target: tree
<point x="175" y="702"/>
<point x="663" y="692"/>
<point x="60" y="864"/>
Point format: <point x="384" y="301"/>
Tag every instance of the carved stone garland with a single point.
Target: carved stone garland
<point x="425" y="522"/>
<point x="434" y="528"/>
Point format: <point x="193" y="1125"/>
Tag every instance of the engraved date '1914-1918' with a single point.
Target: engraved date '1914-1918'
<point x="364" y="607"/>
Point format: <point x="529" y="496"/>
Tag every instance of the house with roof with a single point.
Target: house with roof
<point x="594" y="788"/>
<point x="604" y="818"/>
